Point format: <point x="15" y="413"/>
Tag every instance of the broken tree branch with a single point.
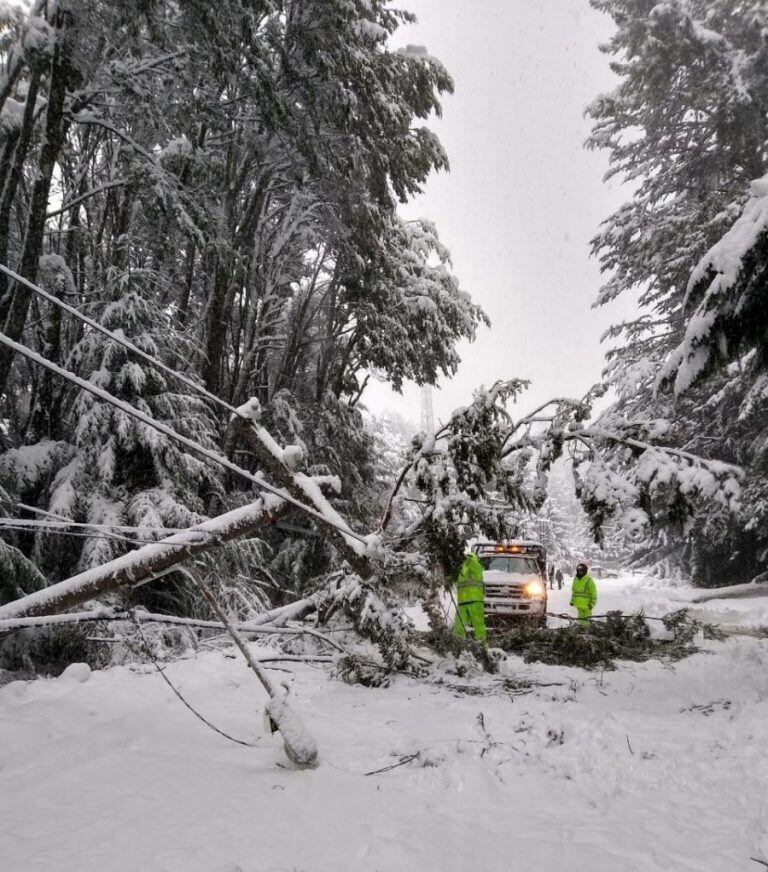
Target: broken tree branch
<point x="301" y="488"/>
<point x="146" y="563"/>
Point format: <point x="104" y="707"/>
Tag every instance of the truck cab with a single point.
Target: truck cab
<point x="515" y="581"/>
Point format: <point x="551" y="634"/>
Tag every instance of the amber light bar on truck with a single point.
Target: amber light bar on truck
<point x="501" y="548"/>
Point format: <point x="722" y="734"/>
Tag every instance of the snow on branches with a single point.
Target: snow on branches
<point x="641" y="485"/>
<point x="686" y="126"/>
<point x="484" y="470"/>
<point x="729" y="296"/>
<point x="374" y="616"/>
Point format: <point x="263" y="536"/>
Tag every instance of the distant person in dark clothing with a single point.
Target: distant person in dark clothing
<point x="559" y="579"/>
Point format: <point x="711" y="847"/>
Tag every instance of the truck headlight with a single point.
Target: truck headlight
<point x="534" y="589"/>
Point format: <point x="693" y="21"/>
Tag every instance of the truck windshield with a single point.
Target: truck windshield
<point x="518" y="564"/>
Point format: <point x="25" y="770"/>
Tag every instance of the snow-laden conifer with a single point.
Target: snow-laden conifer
<point x="686" y="126"/>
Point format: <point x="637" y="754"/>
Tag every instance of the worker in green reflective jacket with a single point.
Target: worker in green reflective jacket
<point x="470" y="595"/>
<point x="583" y="594"/>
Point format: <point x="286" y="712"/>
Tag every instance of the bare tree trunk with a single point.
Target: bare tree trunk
<point x="12" y="178"/>
<point x="56" y="127"/>
<point x="328" y="346"/>
<point x="185" y="291"/>
<point x="216" y="326"/>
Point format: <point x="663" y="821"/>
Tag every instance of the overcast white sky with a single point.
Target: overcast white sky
<point x="523" y="197"/>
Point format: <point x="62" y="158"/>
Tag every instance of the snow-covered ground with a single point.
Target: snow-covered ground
<point x="651" y="767"/>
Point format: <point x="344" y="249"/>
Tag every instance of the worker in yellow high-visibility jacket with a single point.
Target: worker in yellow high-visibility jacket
<point x="470" y="595"/>
<point x="583" y="593"/>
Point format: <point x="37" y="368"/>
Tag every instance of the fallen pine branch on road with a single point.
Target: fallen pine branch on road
<point x="599" y="643"/>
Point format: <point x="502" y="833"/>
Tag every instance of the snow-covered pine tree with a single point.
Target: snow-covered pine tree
<point x="687" y="126"/>
<point x="18" y="574"/>
<point x="120" y="471"/>
<point x="392" y="435"/>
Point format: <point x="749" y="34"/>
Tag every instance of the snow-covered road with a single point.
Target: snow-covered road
<point x="650" y="767"/>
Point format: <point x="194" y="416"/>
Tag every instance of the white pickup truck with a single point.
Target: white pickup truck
<point x="515" y="581"/>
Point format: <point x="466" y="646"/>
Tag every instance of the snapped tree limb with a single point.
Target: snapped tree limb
<point x="145" y="563"/>
<point x="299" y="486"/>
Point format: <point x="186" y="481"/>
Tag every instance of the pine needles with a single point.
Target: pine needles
<point x="598" y="644"/>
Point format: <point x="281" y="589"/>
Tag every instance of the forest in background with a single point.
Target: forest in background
<point x="219" y="185"/>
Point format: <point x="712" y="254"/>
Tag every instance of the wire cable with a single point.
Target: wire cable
<point x="172" y="434"/>
<point x="115" y="529"/>
<point x="113" y="537"/>
<point x="121" y="340"/>
<point x="134" y="349"/>
<point x="178" y="693"/>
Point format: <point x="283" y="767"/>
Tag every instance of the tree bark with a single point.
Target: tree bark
<point x="185" y="291"/>
<point x="56" y="127"/>
<point x="12" y="178"/>
<point x="217" y="326"/>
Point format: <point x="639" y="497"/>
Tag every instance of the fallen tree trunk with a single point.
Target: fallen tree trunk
<point x="272" y="460"/>
<point x="146" y="563"/>
<point x="150" y="561"/>
<point x="754" y="632"/>
<point x="735" y="591"/>
<point x="290" y="612"/>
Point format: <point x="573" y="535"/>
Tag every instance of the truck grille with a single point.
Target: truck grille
<point x="505" y="591"/>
